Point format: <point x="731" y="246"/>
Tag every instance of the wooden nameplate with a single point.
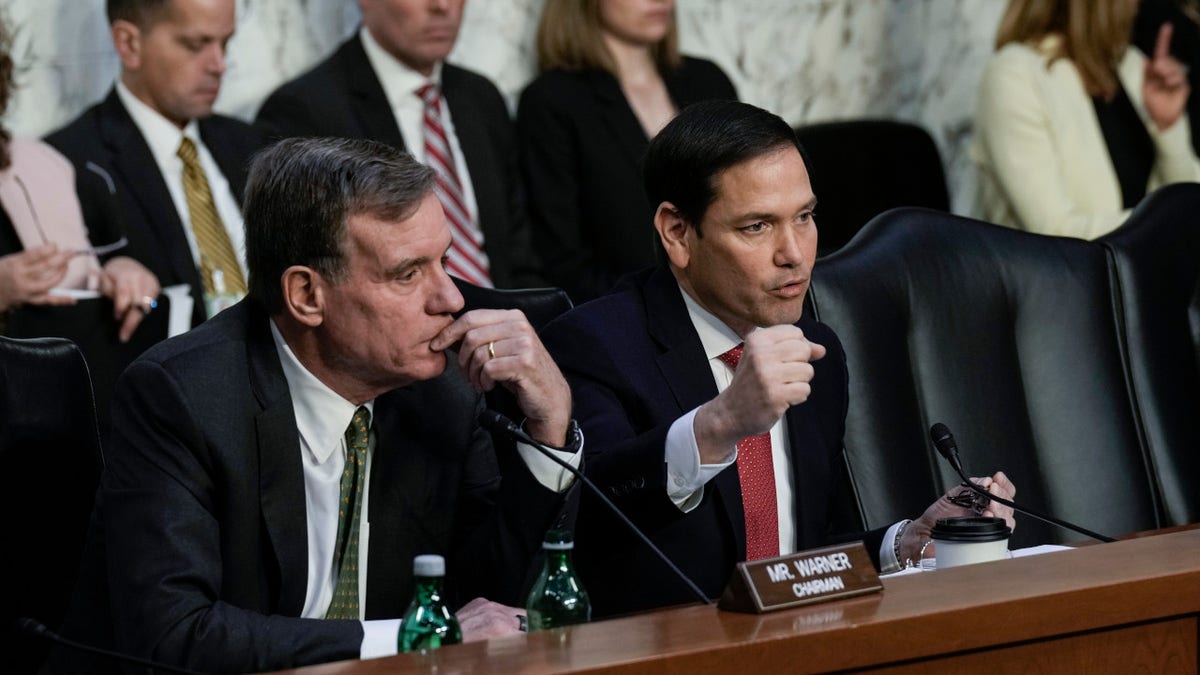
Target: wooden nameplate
<point x="816" y="575"/>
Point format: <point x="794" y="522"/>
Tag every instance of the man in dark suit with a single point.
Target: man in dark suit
<point x="714" y="410"/>
<point x="172" y="58"/>
<point x="326" y="421"/>
<point x="377" y="85"/>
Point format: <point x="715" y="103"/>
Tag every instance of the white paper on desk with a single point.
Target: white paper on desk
<point x="77" y="293"/>
<point x="180" y="318"/>
<point x="1038" y="550"/>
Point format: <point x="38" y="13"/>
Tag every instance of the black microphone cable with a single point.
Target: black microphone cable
<point x="38" y="629"/>
<point x="943" y="441"/>
<point x="493" y="420"/>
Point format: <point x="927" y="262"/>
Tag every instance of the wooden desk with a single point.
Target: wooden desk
<point x="1129" y="606"/>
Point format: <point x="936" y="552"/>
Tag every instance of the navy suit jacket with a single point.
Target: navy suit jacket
<point x="200" y="536"/>
<point x="342" y="97"/>
<point x="636" y="364"/>
<point x="106" y="139"/>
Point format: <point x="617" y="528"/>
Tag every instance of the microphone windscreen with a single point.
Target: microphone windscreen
<point x="943" y="440"/>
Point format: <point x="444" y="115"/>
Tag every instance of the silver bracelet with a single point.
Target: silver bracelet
<point x="896" y="544"/>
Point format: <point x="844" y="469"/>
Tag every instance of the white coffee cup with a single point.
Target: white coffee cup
<point x="965" y="541"/>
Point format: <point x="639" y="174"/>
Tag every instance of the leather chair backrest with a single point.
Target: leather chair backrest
<point x="50" y="451"/>
<point x="540" y="305"/>
<point x="1156" y="263"/>
<point x="1009" y="339"/>
<point x="861" y="168"/>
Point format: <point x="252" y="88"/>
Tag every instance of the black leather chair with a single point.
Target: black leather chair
<point x="1156" y="264"/>
<point x="50" y="449"/>
<point x="1007" y="337"/>
<point x="861" y="168"/>
<point x="540" y="305"/>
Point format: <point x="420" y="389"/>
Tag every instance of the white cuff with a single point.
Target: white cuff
<point x="380" y="638"/>
<point x="549" y="474"/>
<point x="686" y="476"/>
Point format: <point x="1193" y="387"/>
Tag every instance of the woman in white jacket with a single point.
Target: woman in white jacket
<point x="1074" y="125"/>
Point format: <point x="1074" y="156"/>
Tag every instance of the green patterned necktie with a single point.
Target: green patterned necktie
<point x="345" y="550"/>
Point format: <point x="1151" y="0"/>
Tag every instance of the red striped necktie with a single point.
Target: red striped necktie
<point x="756" y="473"/>
<point x="466" y="259"/>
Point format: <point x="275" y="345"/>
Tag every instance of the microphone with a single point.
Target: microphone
<point x="943" y="441"/>
<point x="38" y="629"/>
<point x="494" y="421"/>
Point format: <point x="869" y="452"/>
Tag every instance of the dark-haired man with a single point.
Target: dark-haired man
<point x="276" y="469"/>
<point x="714" y="409"/>
<point x="176" y="168"/>
<point x="390" y="82"/>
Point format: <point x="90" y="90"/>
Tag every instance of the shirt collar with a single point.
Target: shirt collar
<point x="715" y="336"/>
<point x="160" y="133"/>
<point x="400" y="83"/>
<point x="322" y="415"/>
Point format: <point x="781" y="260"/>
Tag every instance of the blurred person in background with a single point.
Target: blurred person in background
<point x="611" y="77"/>
<point x="1074" y="125"/>
<point x="390" y="82"/>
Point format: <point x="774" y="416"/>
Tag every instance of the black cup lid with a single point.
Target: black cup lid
<point x="970" y="529"/>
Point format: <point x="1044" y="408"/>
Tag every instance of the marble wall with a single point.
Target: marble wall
<point x="808" y="60"/>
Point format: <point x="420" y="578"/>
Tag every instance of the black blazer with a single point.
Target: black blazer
<point x="105" y="137"/>
<point x="581" y="157"/>
<point x="635" y="364"/>
<point x="342" y="97"/>
<point x="202" y="506"/>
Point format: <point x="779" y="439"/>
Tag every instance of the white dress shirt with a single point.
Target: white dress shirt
<point x="400" y="84"/>
<point x="322" y="417"/>
<point x="686" y="476"/>
<point x="164" y="138"/>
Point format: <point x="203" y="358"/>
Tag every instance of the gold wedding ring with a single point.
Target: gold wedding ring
<point x="491" y="350"/>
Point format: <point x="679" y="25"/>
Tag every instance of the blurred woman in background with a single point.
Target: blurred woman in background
<point x="1074" y="125"/>
<point x="46" y="250"/>
<point x="611" y="78"/>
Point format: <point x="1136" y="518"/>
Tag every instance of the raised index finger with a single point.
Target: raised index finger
<point x="1162" y="47"/>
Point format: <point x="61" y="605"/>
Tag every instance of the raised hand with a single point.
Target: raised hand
<point x="1165" y="88"/>
<point x="500" y="347"/>
<point x="775" y="372"/>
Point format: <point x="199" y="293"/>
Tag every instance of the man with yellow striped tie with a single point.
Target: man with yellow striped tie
<point x="176" y="168"/>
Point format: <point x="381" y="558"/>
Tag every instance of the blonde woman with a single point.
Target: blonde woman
<point x="1074" y="125"/>
<point x="612" y="76"/>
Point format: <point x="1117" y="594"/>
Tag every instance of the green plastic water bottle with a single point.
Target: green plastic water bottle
<point x="428" y="623"/>
<point x="557" y="598"/>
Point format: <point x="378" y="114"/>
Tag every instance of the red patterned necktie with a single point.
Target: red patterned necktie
<point x="756" y="473"/>
<point x="466" y="259"/>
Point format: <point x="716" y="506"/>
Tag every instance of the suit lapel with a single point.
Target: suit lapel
<point x="229" y="160"/>
<point x="281" y="475"/>
<point x="133" y="162"/>
<point x="685" y="368"/>
<point x="402" y="477"/>
<point x="613" y="108"/>
<point x="371" y="106"/>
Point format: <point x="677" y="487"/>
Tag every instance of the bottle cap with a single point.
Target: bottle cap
<point x="429" y="565"/>
<point x="559" y="540"/>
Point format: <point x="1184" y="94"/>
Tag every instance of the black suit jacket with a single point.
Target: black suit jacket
<point x="202" y="519"/>
<point x="581" y="157"/>
<point x="342" y="97"/>
<point x="105" y="137"/>
<point x="636" y="364"/>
